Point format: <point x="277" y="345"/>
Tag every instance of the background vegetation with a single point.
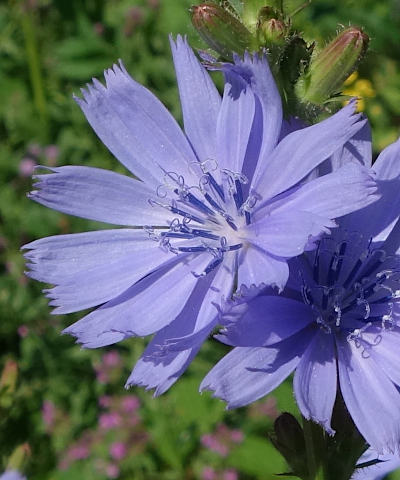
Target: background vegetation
<point x="64" y="413"/>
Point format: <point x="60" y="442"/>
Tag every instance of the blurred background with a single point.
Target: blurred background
<point x="64" y="413"/>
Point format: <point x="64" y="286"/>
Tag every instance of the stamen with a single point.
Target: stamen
<point x="336" y="263"/>
<point x="173" y="209"/>
<point x="193" y="249"/>
<point x="195" y="202"/>
<point x="316" y="263"/>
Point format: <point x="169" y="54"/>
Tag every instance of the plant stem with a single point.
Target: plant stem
<point x="35" y="73"/>
<point x="315" y="444"/>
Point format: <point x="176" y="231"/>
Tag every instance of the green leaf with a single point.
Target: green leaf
<point x="256" y="456"/>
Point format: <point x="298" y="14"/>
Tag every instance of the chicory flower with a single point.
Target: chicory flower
<point x="336" y="324"/>
<point x="226" y="198"/>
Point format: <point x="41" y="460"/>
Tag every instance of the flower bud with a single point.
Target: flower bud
<point x="221" y="30"/>
<point x="289" y="441"/>
<point x="332" y="66"/>
<point x="271" y="27"/>
<point x="272" y="31"/>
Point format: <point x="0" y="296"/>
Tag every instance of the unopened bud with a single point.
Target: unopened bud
<point x="272" y="31"/>
<point x="289" y="441"/>
<point x="332" y="66"/>
<point x="271" y="28"/>
<point x="221" y="30"/>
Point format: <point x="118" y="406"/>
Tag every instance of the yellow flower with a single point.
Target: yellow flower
<point x="360" y="88"/>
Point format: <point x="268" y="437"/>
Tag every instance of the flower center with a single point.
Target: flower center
<point x="208" y="217"/>
<point x="354" y="285"/>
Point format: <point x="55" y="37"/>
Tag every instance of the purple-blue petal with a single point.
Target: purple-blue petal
<point x="371" y="398"/>
<point x="303" y="150"/>
<point x="314" y="381"/>
<point x="144" y="308"/>
<point x="100" y="195"/>
<point x="256" y="267"/>
<point x="136" y="127"/>
<point x="200" y="100"/>
<point x="248" y="373"/>
<point x="348" y="188"/>
<point x="91" y="268"/>
<point x="235" y="122"/>
<point x="285" y="232"/>
<point x="263" y="321"/>
<point x="174" y="347"/>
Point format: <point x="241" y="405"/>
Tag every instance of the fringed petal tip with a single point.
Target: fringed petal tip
<point x="178" y="41"/>
<point x="148" y="386"/>
<point x="215" y="393"/>
<point x="91" y="93"/>
<point x="90" y="341"/>
<point x="37" y="179"/>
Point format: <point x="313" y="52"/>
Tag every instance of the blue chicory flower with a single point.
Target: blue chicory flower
<point x="12" y="475"/>
<point x="226" y="198"/>
<point x="336" y="324"/>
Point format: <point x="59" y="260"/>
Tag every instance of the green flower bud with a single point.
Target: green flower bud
<point x="271" y="28"/>
<point x="289" y="441"/>
<point x="332" y="66"/>
<point x="221" y="30"/>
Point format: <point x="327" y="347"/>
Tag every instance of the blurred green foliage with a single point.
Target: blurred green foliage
<point x="48" y="50"/>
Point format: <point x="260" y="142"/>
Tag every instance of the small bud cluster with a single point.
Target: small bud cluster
<point x="310" y="79"/>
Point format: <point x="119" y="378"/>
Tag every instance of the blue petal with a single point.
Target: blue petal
<point x="347" y="189"/>
<point x="163" y="374"/>
<point x="263" y="321"/>
<point x="256" y="70"/>
<point x="92" y="268"/>
<point x="377" y="220"/>
<point x="200" y="100"/>
<point x="385" y="350"/>
<point x="357" y="150"/>
<point x="371" y="398"/>
<point x="285" y="233"/>
<point x="234" y="122"/>
<point x="136" y="127"/>
<point x="303" y="150"/>
<point x="173" y="348"/>
<point x="314" y="381"/>
<point x="248" y="373"/>
<point x="100" y="195"/>
<point x="387" y="165"/>
<point x="257" y="267"/>
<point x="145" y="308"/>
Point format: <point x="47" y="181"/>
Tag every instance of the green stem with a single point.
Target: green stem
<point x="315" y="444"/>
<point x="35" y="73"/>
